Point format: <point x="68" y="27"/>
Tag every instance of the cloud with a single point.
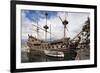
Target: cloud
<point x="76" y="21"/>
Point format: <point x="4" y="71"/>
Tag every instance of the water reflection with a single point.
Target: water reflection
<point x="35" y="57"/>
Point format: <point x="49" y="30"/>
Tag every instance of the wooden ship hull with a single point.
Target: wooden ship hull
<point x="55" y="49"/>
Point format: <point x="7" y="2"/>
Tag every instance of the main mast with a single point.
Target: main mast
<point x="46" y="27"/>
<point x="65" y="22"/>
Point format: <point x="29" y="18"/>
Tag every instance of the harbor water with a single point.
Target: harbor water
<point x="35" y="57"/>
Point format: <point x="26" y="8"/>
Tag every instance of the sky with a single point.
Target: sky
<point x="29" y="19"/>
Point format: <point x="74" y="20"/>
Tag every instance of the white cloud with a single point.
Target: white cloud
<point x="76" y="21"/>
<point x="26" y="26"/>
